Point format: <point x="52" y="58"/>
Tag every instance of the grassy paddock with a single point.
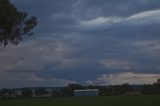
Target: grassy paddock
<point x="86" y="101"/>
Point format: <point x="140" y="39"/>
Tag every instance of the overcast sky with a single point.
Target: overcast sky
<point x="85" y="41"/>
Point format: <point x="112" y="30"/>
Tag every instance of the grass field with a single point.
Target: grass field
<point x="86" y="101"/>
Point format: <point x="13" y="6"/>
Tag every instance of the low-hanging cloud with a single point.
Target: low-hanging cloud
<point x="125" y="77"/>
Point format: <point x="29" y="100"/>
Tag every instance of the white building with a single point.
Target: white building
<point x="86" y="92"/>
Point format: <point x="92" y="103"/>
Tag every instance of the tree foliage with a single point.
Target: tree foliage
<point x="40" y="91"/>
<point x="14" y="23"/>
<point x="27" y="92"/>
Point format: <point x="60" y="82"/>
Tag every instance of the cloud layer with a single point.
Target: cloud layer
<point x="125" y="77"/>
<point x="80" y="40"/>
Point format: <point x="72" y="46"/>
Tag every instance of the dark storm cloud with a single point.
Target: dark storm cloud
<point x="122" y="7"/>
<point x="53" y="15"/>
<point x="82" y="40"/>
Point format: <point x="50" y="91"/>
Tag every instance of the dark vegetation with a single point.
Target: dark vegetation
<point x="14" y="24"/>
<point x="152" y="89"/>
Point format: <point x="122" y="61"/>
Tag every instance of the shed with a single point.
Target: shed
<point x="86" y="92"/>
<point x="132" y="93"/>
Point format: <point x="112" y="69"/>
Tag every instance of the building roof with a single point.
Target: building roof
<point x="85" y="90"/>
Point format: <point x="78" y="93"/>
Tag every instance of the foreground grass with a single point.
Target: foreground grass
<point x="86" y="101"/>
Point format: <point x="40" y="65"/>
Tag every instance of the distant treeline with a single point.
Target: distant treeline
<point x="124" y="89"/>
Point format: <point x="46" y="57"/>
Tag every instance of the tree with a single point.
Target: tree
<point x="1" y="94"/>
<point x="40" y="92"/>
<point x="158" y="81"/>
<point x="121" y="89"/>
<point x="6" y="93"/>
<point x="27" y="92"/>
<point x="14" y="23"/>
<point x="72" y="87"/>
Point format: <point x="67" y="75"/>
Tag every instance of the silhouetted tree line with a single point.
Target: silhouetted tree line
<point x="150" y="89"/>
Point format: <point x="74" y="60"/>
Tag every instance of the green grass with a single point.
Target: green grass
<point x="86" y="101"/>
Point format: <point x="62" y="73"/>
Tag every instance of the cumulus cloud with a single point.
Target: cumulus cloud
<point x="125" y="77"/>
